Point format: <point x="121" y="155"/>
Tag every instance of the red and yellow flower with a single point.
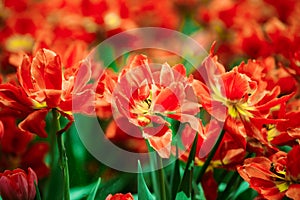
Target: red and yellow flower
<point x="247" y="101"/>
<point x="43" y="87"/>
<point x="147" y="94"/>
<point x="274" y="177"/>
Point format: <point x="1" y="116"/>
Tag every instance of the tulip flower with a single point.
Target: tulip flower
<point x="274" y="177"/>
<point x="247" y="101"/>
<point x="16" y="184"/>
<point x="120" y="196"/>
<point x="146" y="94"/>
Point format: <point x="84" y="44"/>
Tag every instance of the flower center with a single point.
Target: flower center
<point x="142" y="107"/>
<point x="279" y="174"/>
<point x="38" y="105"/>
<point x="142" y="111"/>
<point x="272" y="132"/>
<point x="239" y="109"/>
<point x="236" y="108"/>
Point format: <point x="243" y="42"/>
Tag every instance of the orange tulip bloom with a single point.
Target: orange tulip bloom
<point x="274" y="177"/>
<point x="146" y="94"/>
<point x="244" y="94"/>
<point x="43" y="86"/>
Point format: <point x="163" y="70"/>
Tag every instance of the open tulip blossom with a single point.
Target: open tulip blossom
<point x="168" y="100"/>
<point x="148" y="97"/>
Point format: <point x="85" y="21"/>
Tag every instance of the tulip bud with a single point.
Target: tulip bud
<point x="120" y="196"/>
<point x="16" y="184"/>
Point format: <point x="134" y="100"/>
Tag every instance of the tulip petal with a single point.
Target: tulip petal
<point x="293" y="191"/>
<point x="161" y="144"/>
<point x="35" y="123"/>
<point x="31" y="179"/>
<point x="293" y="169"/>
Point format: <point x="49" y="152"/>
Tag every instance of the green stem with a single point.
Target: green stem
<point x="153" y="163"/>
<point x="161" y="178"/>
<point x="63" y="160"/>
<point x="157" y="176"/>
<point x="38" y="194"/>
<point x="210" y="156"/>
<point x="52" y="140"/>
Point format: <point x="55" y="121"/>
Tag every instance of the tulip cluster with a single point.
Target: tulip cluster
<point x="228" y="128"/>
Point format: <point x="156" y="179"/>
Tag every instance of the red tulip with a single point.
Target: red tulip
<point x="44" y="85"/>
<point x="242" y="98"/>
<point x="16" y="184"/>
<point x="41" y="78"/>
<point x="274" y="177"/>
<point x="146" y="93"/>
<point x="120" y="196"/>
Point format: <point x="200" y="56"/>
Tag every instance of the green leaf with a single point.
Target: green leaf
<point x="159" y="181"/>
<point x="247" y="194"/>
<point x="175" y="177"/>
<point x="200" y="195"/>
<point x="82" y="192"/>
<point x="154" y="175"/>
<point x="210" y="156"/>
<point x="94" y="190"/>
<point x="242" y="188"/>
<point x="38" y="194"/>
<point x="106" y="56"/>
<point x="190" y="26"/>
<point x="77" y="156"/>
<point x="230" y="186"/>
<point x="186" y="181"/>
<point x="285" y="148"/>
<point x="115" y="185"/>
<point x="54" y="189"/>
<point x="143" y="191"/>
<point x="182" y="196"/>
